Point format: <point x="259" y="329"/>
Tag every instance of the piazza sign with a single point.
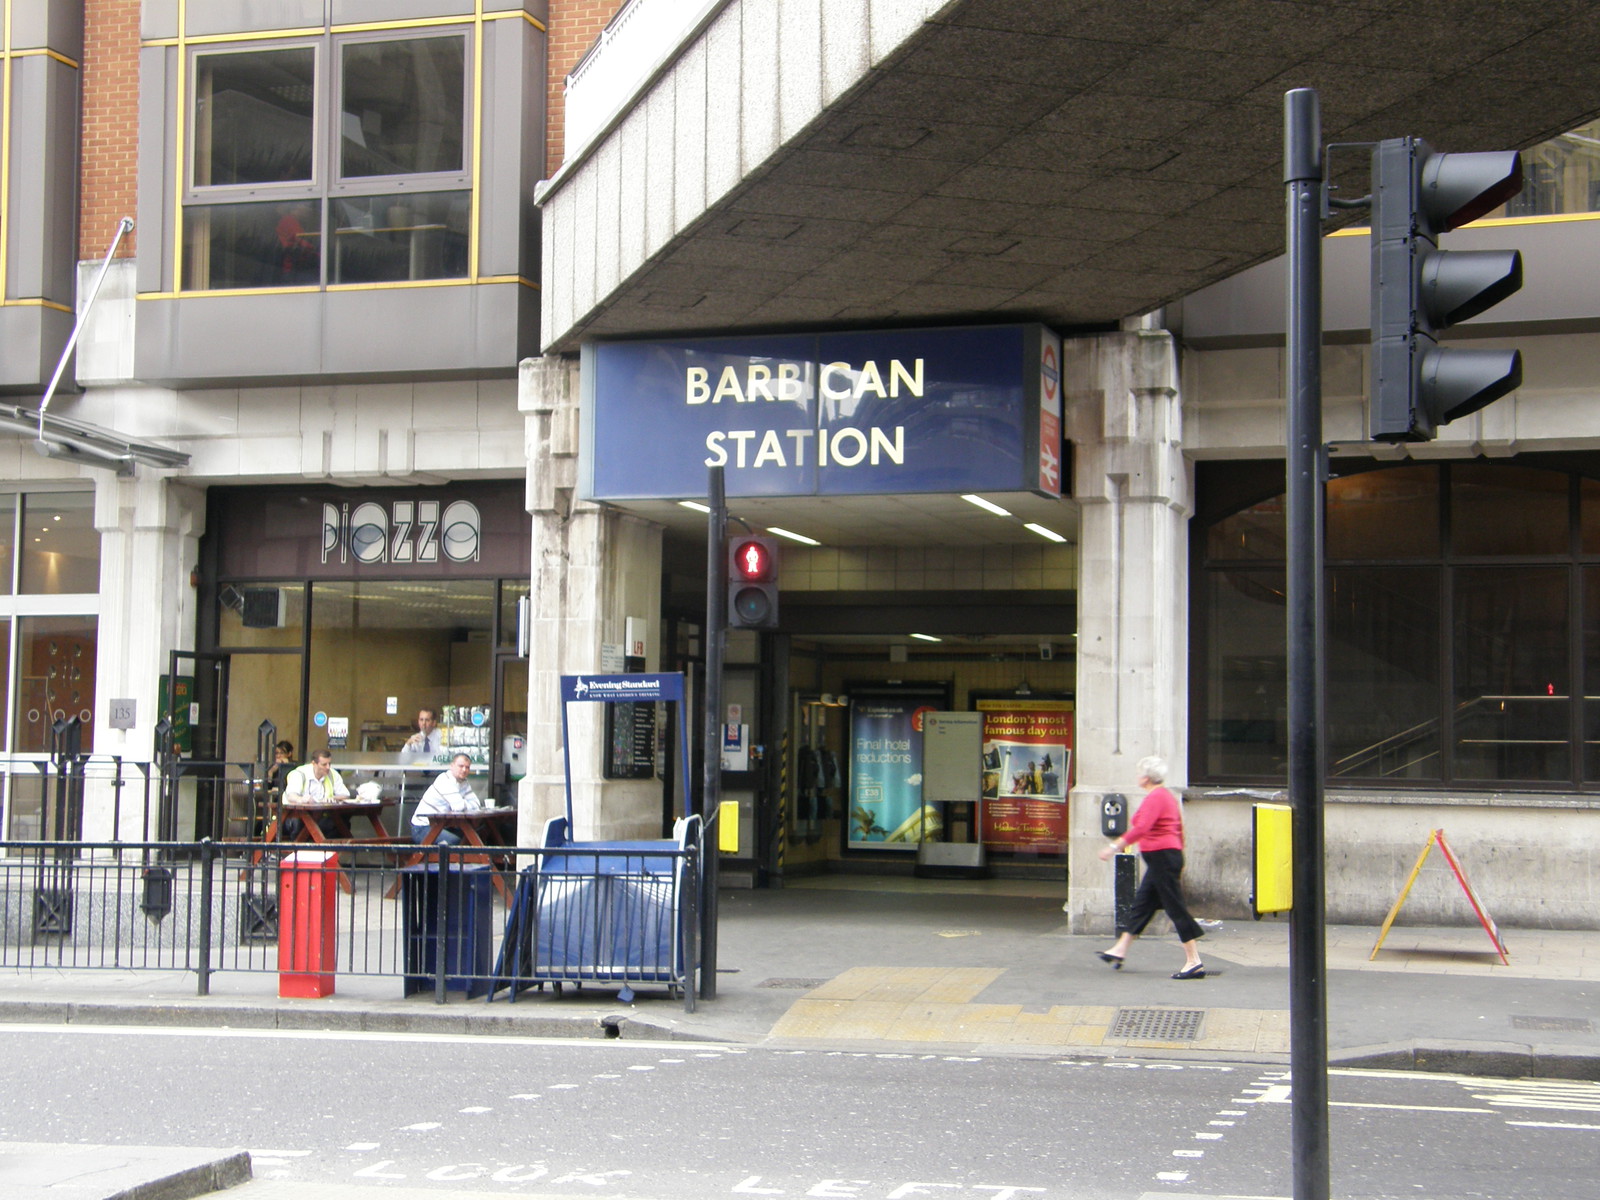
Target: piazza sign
<point x="834" y="414"/>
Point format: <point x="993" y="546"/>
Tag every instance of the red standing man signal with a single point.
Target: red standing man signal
<point x="752" y="583"/>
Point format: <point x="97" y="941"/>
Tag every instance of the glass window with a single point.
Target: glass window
<point x="426" y="643"/>
<point x="1246" y="674"/>
<point x="60" y="545"/>
<point x="308" y="210"/>
<point x="1254" y="532"/>
<point x="1589" y="516"/>
<point x="1382" y="668"/>
<point x="1384" y="514"/>
<point x="259" y="616"/>
<point x="1512" y="698"/>
<point x="1503" y="510"/>
<point x="1559" y="176"/>
<point x="55" y="679"/>
<point x="404" y="107"/>
<point x="381" y="239"/>
<point x="1591" y="674"/>
<point x="254" y="115"/>
<point x="8" y="542"/>
<point x="511" y="591"/>
<point x="272" y="244"/>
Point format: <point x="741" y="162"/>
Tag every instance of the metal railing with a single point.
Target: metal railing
<point x="491" y="929"/>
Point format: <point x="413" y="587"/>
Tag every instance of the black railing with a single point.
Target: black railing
<point x="493" y="928"/>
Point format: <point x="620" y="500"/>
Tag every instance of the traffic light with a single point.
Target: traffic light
<point x="752" y="583"/>
<point x="1419" y="289"/>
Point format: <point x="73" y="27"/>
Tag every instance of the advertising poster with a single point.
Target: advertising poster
<point x="1027" y="772"/>
<point x="886" y="809"/>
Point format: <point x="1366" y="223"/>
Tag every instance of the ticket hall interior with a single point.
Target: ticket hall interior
<point x="913" y="624"/>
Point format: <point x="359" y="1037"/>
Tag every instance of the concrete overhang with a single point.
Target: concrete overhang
<point x="835" y="163"/>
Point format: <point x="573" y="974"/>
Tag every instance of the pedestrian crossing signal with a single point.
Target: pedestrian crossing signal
<point x="752" y="583"/>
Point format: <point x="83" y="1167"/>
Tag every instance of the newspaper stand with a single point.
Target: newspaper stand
<point x="607" y="912"/>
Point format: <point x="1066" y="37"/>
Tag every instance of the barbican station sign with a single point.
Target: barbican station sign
<point x="971" y="409"/>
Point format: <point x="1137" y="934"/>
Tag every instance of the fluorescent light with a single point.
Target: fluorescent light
<point x="696" y="505"/>
<point x="1043" y="532"/>
<point x="986" y="505"/>
<point x="793" y="537"/>
<point x="926" y="637"/>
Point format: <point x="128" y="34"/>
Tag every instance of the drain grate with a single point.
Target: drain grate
<point x="1157" y="1024"/>
<point x="1553" y="1024"/>
<point x="799" y="985"/>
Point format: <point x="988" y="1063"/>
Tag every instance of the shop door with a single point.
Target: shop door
<point x="509" y="753"/>
<point x="195" y="789"/>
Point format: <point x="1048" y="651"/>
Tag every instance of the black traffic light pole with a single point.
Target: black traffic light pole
<point x="1308" y="1009"/>
<point x="711" y="769"/>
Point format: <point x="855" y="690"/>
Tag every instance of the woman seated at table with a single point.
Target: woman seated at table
<point x="448" y="793"/>
<point x="315" y="783"/>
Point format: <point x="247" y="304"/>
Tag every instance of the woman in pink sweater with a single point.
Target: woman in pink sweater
<point x="1157" y="829"/>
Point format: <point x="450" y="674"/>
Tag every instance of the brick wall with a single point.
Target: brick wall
<point x="574" y="26"/>
<point x="109" y="178"/>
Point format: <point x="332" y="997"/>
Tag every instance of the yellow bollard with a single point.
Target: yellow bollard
<point x="1274" y="865"/>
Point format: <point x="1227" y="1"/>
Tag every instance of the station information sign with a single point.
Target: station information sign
<point x="970" y="409"/>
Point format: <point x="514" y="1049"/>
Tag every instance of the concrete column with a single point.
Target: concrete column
<point x="1134" y="487"/>
<point x="150" y="529"/>
<point x="592" y="569"/>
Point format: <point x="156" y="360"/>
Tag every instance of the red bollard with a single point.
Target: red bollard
<point x="308" y="941"/>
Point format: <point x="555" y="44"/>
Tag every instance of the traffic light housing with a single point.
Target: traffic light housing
<point x="752" y="583"/>
<point x="1419" y="289"/>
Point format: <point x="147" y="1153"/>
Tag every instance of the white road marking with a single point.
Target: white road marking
<point x="1407" y="1107"/>
<point x="422" y="1126"/>
<point x="279" y="1153"/>
<point x="362" y="1146"/>
<point x="477" y="1108"/>
<point x="1550" y="1125"/>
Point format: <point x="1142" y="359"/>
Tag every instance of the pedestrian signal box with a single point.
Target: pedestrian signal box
<point x="752" y="583"/>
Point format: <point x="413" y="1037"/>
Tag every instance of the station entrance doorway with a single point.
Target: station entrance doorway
<point x="835" y="723"/>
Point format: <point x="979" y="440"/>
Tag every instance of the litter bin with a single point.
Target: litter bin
<point x="467" y="936"/>
<point x="308" y="935"/>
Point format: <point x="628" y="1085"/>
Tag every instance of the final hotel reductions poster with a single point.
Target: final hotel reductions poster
<point x="1027" y="772"/>
<point x="886" y="809"/>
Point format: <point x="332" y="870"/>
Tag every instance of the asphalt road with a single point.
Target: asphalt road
<point x="674" y="1121"/>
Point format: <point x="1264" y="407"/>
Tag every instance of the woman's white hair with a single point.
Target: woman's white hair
<point x="1152" y="767"/>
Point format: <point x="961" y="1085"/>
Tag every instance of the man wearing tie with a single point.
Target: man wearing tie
<point x="425" y="741"/>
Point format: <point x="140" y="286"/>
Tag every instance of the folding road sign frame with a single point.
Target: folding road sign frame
<point x="1484" y="918"/>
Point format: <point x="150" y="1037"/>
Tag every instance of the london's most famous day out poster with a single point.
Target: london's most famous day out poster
<point x="1027" y="760"/>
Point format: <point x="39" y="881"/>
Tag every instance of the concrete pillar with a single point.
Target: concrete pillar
<point x="592" y="569"/>
<point x="1135" y="489"/>
<point x="150" y="529"/>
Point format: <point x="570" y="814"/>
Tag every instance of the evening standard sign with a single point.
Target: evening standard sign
<point x="611" y="688"/>
<point x="971" y="409"/>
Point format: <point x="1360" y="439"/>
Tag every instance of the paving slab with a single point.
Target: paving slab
<point x="44" y="1171"/>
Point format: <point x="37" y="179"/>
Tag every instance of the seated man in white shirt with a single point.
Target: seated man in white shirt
<point x="316" y="782"/>
<point x="446" y="794"/>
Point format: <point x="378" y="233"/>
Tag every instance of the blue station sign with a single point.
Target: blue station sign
<point x="971" y="409"/>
